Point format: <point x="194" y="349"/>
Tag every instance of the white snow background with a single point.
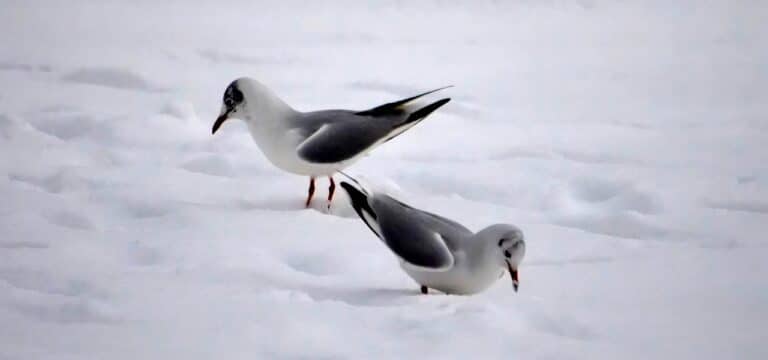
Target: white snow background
<point x="627" y="139"/>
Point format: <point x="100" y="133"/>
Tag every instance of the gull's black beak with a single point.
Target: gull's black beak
<point x="220" y="120"/>
<point x="513" y="275"/>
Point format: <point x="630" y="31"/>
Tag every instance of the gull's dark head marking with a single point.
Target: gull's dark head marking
<point x="233" y="98"/>
<point x="511" y="245"/>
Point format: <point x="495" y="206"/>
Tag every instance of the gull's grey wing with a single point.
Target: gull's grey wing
<point x="337" y="135"/>
<point x="333" y="136"/>
<point x="450" y="229"/>
<point x="420" y="239"/>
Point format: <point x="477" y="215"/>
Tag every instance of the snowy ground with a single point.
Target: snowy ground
<point x="627" y="140"/>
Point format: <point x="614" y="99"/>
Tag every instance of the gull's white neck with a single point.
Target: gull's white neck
<point x="484" y="254"/>
<point x="269" y="120"/>
<point x="263" y="109"/>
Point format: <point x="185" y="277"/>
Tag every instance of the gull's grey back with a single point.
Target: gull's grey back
<point x="309" y="122"/>
<point x="346" y="135"/>
<point x="397" y="212"/>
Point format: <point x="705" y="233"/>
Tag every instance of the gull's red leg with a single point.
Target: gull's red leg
<point x="311" y="191"/>
<point x="331" y="189"/>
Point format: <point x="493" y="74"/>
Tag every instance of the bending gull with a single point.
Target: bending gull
<point x="436" y="252"/>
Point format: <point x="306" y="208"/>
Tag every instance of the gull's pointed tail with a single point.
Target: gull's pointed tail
<point x="401" y="106"/>
<point x="425" y="111"/>
<point x="404" y="114"/>
<point x="359" y="197"/>
<point x="355" y="185"/>
<point x="415" y="117"/>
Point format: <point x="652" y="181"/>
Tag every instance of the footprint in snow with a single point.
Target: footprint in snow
<point x="21" y="244"/>
<point x="116" y="78"/>
<point x="609" y="207"/>
<point x="70" y="219"/>
<point x="755" y="207"/>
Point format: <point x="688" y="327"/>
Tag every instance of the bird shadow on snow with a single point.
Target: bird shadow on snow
<point x="271" y="203"/>
<point x="350" y="294"/>
<point x="364" y="296"/>
<point x="340" y="208"/>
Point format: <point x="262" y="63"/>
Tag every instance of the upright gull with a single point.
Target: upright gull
<point x="316" y="143"/>
<point x="436" y="252"/>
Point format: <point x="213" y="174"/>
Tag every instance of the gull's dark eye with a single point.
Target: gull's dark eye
<point x="501" y="241"/>
<point x="232" y="96"/>
<point x="507" y="254"/>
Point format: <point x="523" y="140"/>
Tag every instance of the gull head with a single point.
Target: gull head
<point x="232" y="105"/>
<point x="507" y="243"/>
<point x="251" y="101"/>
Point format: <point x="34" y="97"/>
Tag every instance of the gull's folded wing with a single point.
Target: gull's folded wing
<point x="399" y="227"/>
<point x="341" y="138"/>
<point x="338" y="135"/>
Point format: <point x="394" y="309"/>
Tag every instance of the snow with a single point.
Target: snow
<point x="626" y="139"/>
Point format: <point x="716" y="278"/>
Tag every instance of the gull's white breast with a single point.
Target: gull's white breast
<point x="279" y="146"/>
<point x="459" y="279"/>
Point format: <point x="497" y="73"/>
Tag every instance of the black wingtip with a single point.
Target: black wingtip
<point x="359" y="186"/>
<point x="348" y="187"/>
<point x="425" y="111"/>
<point x="395" y="107"/>
<point x="359" y="200"/>
<point x="355" y="194"/>
<point x="407" y="100"/>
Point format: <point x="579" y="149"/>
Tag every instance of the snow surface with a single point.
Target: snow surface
<point x="627" y="139"/>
